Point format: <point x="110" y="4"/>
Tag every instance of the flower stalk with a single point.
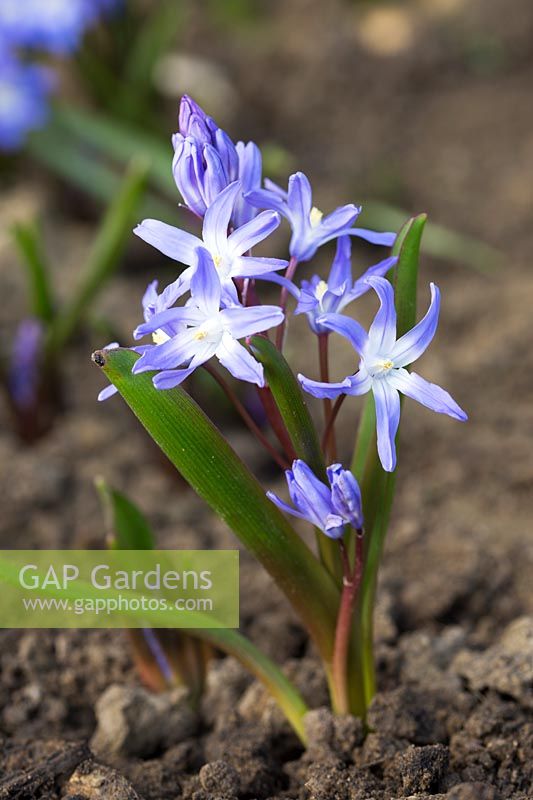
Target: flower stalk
<point x="352" y="576"/>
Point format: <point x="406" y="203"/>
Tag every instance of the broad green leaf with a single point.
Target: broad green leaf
<point x="28" y="240"/>
<point x="105" y="255"/>
<point x="127" y="526"/>
<point x="216" y="473"/>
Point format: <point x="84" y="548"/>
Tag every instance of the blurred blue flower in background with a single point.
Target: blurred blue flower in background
<point x="50" y="26"/>
<point x="24" y="91"/>
<point x="26" y="354"/>
<point x="55" y="26"/>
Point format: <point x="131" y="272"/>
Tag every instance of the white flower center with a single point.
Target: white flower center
<point x="315" y="217"/>
<point x="210" y="331"/>
<point x="160" y="337"/>
<point x="380" y="367"/>
<point x="320" y="291"/>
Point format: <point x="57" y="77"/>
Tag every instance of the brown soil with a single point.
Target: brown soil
<point x="441" y="124"/>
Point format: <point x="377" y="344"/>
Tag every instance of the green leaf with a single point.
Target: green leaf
<point x="378" y="486"/>
<point x="127" y="527"/>
<point x="216" y="473"/>
<point x="29" y="243"/>
<point x="105" y="255"/>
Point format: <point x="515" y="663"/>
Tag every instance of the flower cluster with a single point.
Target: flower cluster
<point x="49" y="26"/>
<point x="220" y="182"/>
<point x="329" y="508"/>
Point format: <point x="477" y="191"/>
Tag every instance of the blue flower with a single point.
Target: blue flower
<point x="227" y="251"/>
<point x="206" y="161"/>
<point x="52" y="25"/>
<point x="152" y="304"/>
<point x="310" y="228"/>
<point x="26" y="355"/>
<point x="382" y="366"/>
<point x="329" y="508"/>
<point x="204" y="330"/>
<point x="318" y="296"/>
<point x="24" y="91"/>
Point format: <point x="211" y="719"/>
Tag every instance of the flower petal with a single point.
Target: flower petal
<point x="275" y="189"/>
<point x="341" y="269"/>
<point x="428" y="394"/>
<point x="168" y="355"/>
<point x="216" y="179"/>
<point x="170" y="241"/>
<point x="330" y="390"/>
<point x="188" y="315"/>
<point x="387" y="401"/>
<point x="205" y="284"/>
<point x="109" y="391"/>
<point x="217" y="219"/>
<point x="170" y="378"/>
<point x="374" y="237"/>
<point x="238" y="361"/>
<point x="251" y="267"/>
<point x="241" y="321"/>
<point x="310" y="490"/>
<point x="284" y="506"/>
<point x="361" y="285"/>
<point x="253" y="232"/>
<point x="263" y="198"/>
<point x="333" y="526"/>
<point x="300" y="196"/>
<point x="339" y="219"/>
<point x="347" y="327"/>
<point x="412" y="344"/>
<point x="382" y="332"/>
<point x="346" y="495"/>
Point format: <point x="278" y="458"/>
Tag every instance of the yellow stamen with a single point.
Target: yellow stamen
<point x="386" y="365"/>
<point x="217" y="260"/>
<point x="200" y="335"/>
<point x="315" y="217"/>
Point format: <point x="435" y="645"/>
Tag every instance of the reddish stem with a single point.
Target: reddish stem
<point x="276" y="421"/>
<point x="246" y="417"/>
<point x="350" y="589"/>
<point x="330" y="425"/>
<point x="329" y="420"/>
<point x="284" y="296"/>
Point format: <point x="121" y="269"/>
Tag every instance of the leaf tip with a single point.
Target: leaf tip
<point x="99" y="358"/>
